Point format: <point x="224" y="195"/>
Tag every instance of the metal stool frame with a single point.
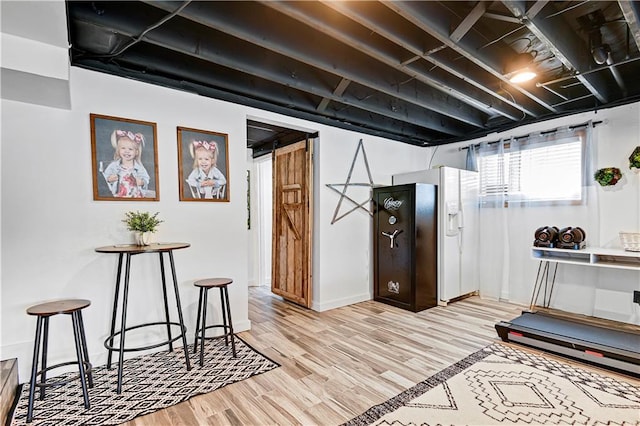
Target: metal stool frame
<point x="226" y="325"/>
<point x="82" y="354"/>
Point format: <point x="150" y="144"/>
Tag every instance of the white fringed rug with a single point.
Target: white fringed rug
<point x="150" y="382"/>
<point x="500" y="385"/>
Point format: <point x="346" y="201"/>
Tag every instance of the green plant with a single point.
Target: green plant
<point x="142" y="221"/>
<point x="608" y="176"/>
<point x="634" y="159"/>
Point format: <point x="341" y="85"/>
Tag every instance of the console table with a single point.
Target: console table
<point x="126" y="251"/>
<point x="590" y="256"/>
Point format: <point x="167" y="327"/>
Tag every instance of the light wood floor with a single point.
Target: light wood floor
<point x="338" y="363"/>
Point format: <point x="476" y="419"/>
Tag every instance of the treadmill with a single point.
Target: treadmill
<point x="609" y="347"/>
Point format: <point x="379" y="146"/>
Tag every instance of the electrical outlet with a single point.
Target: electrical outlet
<point x="636" y="297"/>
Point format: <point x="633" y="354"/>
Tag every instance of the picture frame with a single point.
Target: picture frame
<point x="203" y="165"/>
<point x="124" y="159"/>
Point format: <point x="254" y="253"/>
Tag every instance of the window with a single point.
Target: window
<point x="541" y="170"/>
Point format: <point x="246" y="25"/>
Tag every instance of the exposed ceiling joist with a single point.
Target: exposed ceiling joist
<point x="565" y="44"/>
<point x="631" y="11"/>
<point x="435" y="20"/>
<point x="338" y="91"/>
<point x="307" y="48"/>
<point x="229" y="55"/>
<point x="420" y="72"/>
<point x="358" y="39"/>
<point x="499" y="17"/>
<point x="503" y="105"/>
<point x="536" y="8"/>
<point x="469" y="21"/>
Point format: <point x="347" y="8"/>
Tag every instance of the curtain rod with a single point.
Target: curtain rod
<point x="546" y="132"/>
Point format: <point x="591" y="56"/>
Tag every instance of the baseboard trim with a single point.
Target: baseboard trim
<point x="338" y="303"/>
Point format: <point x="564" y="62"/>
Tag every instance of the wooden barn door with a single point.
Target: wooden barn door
<point x="292" y="222"/>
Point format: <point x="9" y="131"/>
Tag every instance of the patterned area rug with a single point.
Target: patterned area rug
<point x="500" y="385"/>
<point x="150" y="382"/>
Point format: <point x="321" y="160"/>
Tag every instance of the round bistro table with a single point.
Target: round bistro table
<point x="126" y="251"/>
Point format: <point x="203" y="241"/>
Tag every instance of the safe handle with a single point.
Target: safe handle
<point x="392" y="236"/>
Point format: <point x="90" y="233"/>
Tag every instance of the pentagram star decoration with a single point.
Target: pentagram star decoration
<point x="348" y="183"/>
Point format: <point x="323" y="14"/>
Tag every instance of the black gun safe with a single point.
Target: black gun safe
<point x="405" y="223"/>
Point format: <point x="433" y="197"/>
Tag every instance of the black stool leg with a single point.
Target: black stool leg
<point x="34" y="370"/>
<point x="45" y="350"/>
<point x="195" y="339"/>
<point x="77" y="338"/>
<point x="204" y="326"/>
<point x="85" y="349"/>
<point x="233" y="345"/>
<point x="225" y="326"/>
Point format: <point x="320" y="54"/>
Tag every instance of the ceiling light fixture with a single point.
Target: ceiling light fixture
<point x="522" y="76"/>
<point x="521" y="69"/>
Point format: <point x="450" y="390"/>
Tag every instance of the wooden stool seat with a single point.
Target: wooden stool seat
<point x="201" y="327"/>
<point x="58" y="307"/>
<point x="43" y="312"/>
<point x="213" y="282"/>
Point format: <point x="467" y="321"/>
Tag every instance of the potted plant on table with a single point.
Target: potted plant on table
<point x="143" y="224"/>
<point x="608" y="176"/>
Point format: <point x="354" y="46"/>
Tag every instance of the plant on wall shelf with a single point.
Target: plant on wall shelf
<point x="608" y="176"/>
<point x="634" y="159"/>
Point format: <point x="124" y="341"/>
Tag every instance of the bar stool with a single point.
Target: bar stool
<point x="201" y="327"/>
<point x="44" y="311"/>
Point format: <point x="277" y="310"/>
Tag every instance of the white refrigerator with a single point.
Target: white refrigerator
<point x="457" y="228"/>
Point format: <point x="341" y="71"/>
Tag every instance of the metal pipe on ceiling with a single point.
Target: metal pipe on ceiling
<point x="569" y="77"/>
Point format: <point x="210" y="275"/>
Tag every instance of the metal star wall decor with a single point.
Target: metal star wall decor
<point x="348" y="183"/>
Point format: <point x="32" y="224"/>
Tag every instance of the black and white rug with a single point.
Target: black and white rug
<point x="150" y="382"/>
<point x="500" y="385"/>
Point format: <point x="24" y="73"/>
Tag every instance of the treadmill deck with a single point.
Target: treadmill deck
<point x="615" y="348"/>
<point x="587" y="333"/>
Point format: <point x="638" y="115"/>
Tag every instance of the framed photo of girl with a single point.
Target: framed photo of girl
<point x="124" y="158"/>
<point x="203" y="165"/>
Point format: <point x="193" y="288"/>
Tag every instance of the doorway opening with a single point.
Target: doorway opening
<point x="263" y="166"/>
<point x="263" y="137"/>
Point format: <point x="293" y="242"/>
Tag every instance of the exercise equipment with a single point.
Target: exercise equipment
<point x="609" y="347"/>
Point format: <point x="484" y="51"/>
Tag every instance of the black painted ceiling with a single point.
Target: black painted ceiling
<point x="421" y="72"/>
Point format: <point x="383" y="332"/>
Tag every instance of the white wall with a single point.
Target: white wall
<point x="343" y="272"/>
<point x="593" y="291"/>
<point x="342" y="264"/>
<point x="51" y="225"/>
<point x="35" y="61"/>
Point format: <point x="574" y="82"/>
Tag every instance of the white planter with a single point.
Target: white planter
<point x="143" y="238"/>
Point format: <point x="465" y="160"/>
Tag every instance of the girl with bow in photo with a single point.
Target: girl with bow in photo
<point x="126" y="176"/>
<point x="206" y="178"/>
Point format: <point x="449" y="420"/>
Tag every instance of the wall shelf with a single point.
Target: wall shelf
<point x="591" y="256"/>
